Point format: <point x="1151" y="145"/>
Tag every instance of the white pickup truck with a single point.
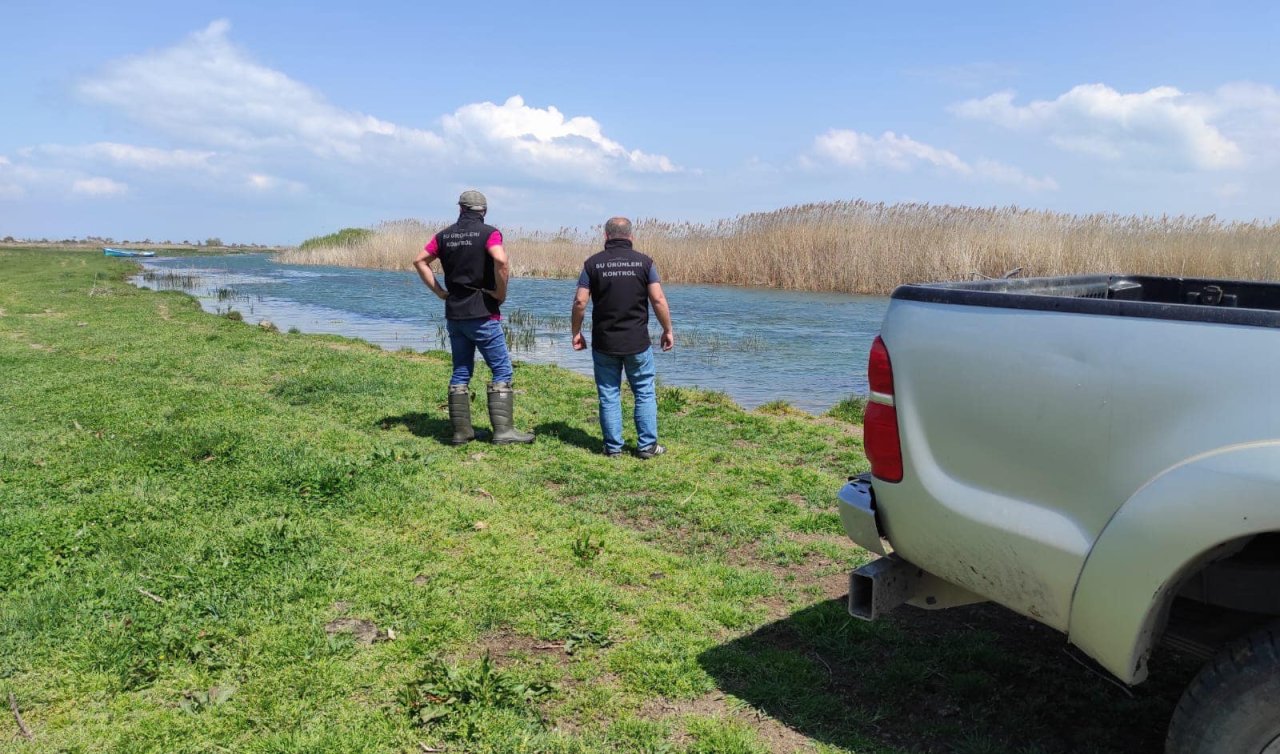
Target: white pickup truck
<point x="1098" y="453"/>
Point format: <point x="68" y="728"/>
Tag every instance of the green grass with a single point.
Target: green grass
<point x="218" y="538"/>
<point x="344" y="237"/>
<point x="849" y="410"/>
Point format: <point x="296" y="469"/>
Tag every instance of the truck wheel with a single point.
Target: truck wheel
<point x="1233" y="705"/>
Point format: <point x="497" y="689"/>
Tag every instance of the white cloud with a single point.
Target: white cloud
<point x="542" y="138"/>
<point x="9" y="188"/>
<point x="853" y="149"/>
<point x="98" y="186"/>
<point x="263" y="183"/>
<point x="859" y="150"/>
<point x="128" y="155"/>
<point x="19" y="179"/>
<point x="999" y="172"/>
<point x="1161" y="126"/>
<point x="208" y="92"/>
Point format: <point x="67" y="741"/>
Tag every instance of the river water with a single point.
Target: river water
<point x="756" y="345"/>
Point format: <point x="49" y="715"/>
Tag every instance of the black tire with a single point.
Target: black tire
<point x="1233" y="704"/>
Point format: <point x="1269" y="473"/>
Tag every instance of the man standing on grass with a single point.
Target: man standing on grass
<point x="622" y="283"/>
<point x="475" y="285"/>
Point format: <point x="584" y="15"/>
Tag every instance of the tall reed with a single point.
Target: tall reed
<point x="864" y="247"/>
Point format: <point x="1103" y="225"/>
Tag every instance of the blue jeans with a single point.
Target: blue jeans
<point x="465" y="336"/>
<point x="640" y="375"/>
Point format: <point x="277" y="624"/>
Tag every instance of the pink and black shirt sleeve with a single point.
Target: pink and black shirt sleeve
<point x="433" y="246"/>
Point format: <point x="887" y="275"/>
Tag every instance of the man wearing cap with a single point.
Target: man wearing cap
<point x="475" y="285"/>
<point x="622" y="283"/>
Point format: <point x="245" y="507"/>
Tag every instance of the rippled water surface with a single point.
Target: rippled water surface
<point x="809" y="349"/>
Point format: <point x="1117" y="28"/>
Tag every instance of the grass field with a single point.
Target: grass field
<point x="218" y="538"/>
<point x="865" y="247"/>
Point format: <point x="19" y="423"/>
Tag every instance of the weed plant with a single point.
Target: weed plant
<point x="849" y="409"/>
<point x="171" y="280"/>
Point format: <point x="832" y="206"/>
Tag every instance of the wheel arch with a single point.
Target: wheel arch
<point x="1196" y="512"/>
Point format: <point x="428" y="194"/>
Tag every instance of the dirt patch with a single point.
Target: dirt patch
<point x="507" y="648"/>
<point x="853" y="430"/>
<point x="675" y="538"/>
<point x="362" y="630"/>
<point x="777" y="737"/>
<point x="346" y="347"/>
<point x="162" y="310"/>
<point x="829" y="585"/>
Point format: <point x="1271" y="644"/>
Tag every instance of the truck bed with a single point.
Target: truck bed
<point x="1231" y="302"/>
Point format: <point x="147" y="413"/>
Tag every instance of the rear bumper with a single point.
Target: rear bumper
<point x="857" y="504"/>
<point x="883" y="584"/>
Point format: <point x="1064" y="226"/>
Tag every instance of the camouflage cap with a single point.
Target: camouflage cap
<point x="472" y="199"/>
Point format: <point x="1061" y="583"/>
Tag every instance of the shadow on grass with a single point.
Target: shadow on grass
<point x="570" y="436"/>
<point x="969" y="680"/>
<point x="425" y="425"/>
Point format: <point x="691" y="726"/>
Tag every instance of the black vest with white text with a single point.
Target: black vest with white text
<point x="467" y="267"/>
<point x="619" y="278"/>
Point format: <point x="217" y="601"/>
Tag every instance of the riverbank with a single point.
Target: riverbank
<point x="867" y="248"/>
<point x="219" y="537"/>
<point x="726" y="336"/>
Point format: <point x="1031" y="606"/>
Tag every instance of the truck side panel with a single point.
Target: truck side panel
<point x="1024" y="431"/>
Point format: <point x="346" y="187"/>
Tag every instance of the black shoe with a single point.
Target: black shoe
<point x="613" y="454"/>
<point x="655" y="449"/>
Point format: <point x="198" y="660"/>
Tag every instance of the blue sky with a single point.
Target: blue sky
<point x="273" y="122"/>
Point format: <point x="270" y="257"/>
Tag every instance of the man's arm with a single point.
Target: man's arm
<point x="659" y="302"/>
<point x="501" y="272"/>
<point x="577" y="315"/>
<point x="423" y="265"/>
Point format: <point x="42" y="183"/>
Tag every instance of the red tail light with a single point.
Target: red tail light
<point x="880" y="420"/>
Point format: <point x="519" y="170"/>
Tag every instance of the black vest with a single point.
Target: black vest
<point x="619" y="278"/>
<point x="467" y="267"/>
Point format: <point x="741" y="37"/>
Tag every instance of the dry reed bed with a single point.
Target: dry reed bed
<point x="864" y="247"/>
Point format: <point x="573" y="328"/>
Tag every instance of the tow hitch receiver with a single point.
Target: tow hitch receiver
<point x="885" y="583"/>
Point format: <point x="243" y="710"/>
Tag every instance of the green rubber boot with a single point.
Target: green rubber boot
<point x="501" y="415"/>
<point x="460" y="414"/>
